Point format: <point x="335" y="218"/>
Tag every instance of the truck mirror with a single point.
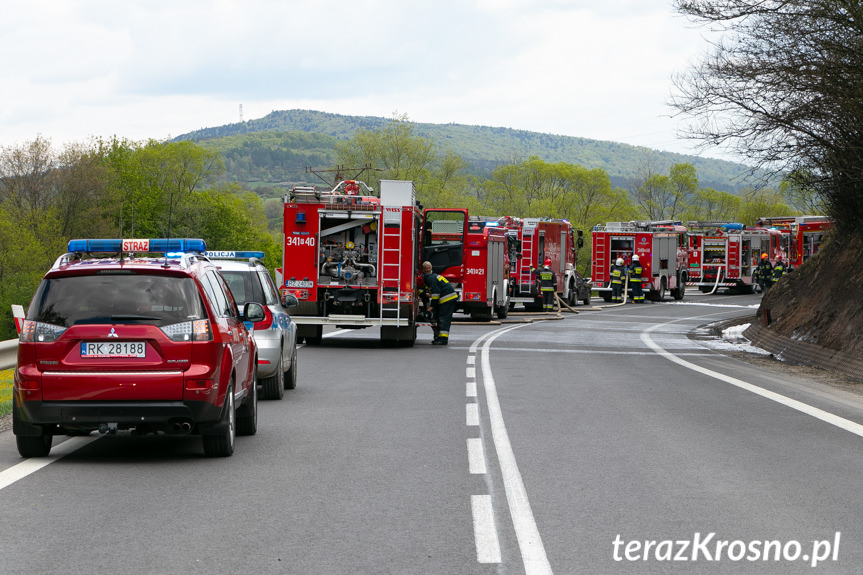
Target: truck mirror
<point x="580" y="241"/>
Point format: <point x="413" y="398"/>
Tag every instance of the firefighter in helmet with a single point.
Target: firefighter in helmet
<point x="635" y="271"/>
<point x="764" y="273"/>
<point x="779" y="269"/>
<point x="443" y="297"/>
<point x="547" y="285"/>
<point x="618" y="272"/>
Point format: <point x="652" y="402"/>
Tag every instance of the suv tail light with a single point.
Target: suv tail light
<point x="198" y="330"/>
<point x="34" y="331"/>
<point x="267" y="321"/>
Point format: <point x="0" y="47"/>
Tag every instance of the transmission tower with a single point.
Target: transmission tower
<point x="241" y="113"/>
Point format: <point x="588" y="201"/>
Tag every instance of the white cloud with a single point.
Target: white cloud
<point x="158" y="68"/>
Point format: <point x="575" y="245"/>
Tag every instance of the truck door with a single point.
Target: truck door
<point x="443" y="240"/>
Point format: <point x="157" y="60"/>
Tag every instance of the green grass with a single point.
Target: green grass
<point x="6" y="391"/>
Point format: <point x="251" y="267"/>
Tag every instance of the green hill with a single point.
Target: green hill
<point x="278" y="147"/>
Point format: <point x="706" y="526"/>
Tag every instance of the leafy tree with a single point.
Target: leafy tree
<point x="395" y="152"/>
<point x="710" y="205"/>
<point x="781" y="87"/>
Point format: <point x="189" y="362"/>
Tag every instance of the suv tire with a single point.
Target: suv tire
<point x="31" y="445"/>
<point x="291" y="374"/>
<point x="274" y="386"/>
<point x="221" y="443"/>
<point x="247" y="415"/>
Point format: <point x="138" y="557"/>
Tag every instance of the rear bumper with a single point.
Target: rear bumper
<point x="171" y="416"/>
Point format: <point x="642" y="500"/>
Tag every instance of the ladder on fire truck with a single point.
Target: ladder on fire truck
<point x="525" y="277"/>
<point x="390" y="268"/>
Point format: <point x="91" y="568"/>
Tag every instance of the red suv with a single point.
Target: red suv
<point x="152" y="343"/>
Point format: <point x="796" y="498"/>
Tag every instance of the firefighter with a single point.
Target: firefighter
<point x="547" y="285"/>
<point x="635" y="280"/>
<point x="764" y="273"/>
<point x="618" y="272"/>
<point x="779" y="269"/>
<point x="444" y="297"/>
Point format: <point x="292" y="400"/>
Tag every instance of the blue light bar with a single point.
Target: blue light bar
<point x="239" y="255"/>
<point x="159" y="245"/>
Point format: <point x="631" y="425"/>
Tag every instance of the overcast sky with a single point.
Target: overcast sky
<point x="601" y="69"/>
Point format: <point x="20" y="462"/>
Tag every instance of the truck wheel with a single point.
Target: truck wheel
<point x="221" y="443"/>
<point x="274" y="386"/>
<point x="316" y="336"/>
<point x="680" y="291"/>
<point x="661" y="294"/>
<point x="291" y="375"/>
<point x="502" y="311"/>
<point x="572" y="300"/>
<point x="247" y="415"/>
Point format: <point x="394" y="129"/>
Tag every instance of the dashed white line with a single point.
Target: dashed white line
<point x="484" y="531"/>
<point x="470" y="388"/>
<point x="526" y="531"/>
<point x="475" y="456"/>
<point x="472" y="414"/>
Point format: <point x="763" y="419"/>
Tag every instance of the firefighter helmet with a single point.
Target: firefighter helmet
<point x="619" y="262"/>
<point x="547" y="262"/>
<point x="635" y="258"/>
<point x="763" y="256"/>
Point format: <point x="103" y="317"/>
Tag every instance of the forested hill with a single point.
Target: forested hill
<point x="278" y="147"/>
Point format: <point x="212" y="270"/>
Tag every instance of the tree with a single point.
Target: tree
<point x="781" y="87"/>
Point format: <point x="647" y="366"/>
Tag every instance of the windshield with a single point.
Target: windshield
<point x="106" y="298"/>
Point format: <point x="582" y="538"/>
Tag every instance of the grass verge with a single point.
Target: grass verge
<point x="6" y="391"/>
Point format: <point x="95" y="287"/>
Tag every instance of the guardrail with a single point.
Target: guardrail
<point x="8" y="354"/>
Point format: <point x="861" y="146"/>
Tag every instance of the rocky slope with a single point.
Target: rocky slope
<point x="822" y="301"/>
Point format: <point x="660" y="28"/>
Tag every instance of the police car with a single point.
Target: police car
<point x="140" y="335"/>
<point x="276" y="334"/>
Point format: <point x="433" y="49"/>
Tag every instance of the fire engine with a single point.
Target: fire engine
<point x="351" y="258"/>
<point x="661" y="248"/>
<point x="470" y="252"/>
<point x="806" y="234"/>
<point x="530" y="242"/>
<point x="725" y="254"/>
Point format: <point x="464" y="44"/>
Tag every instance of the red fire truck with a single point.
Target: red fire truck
<point x="531" y="242"/>
<point x="351" y="258"/>
<point x="724" y="255"/>
<point x="806" y="233"/>
<point x="662" y="251"/>
<point x="470" y="252"/>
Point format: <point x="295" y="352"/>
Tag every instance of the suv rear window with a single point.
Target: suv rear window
<point x="116" y="298"/>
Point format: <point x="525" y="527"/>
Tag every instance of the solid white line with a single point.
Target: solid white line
<point x="484" y="532"/>
<point x="34" y="464"/>
<point x="825" y="416"/>
<point x="472" y="413"/>
<point x="529" y="541"/>
<point x="475" y="456"/>
<point x="470" y="388"/>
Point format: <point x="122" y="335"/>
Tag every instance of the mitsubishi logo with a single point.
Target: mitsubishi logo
<point x="113" y="333"/>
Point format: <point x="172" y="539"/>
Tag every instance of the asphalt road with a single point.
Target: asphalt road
<point x="605" y="442"/>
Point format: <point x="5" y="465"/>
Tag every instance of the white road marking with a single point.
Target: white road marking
<point x="484" y="531"/>
<point x="825" y="416"/>
<point x="472" y="413"/>
<point x="529" y="541"/>
<point x="470" y="388"/>
<point x="475" y="456"/>
<point x="34" y="464"/>
<point x="470" y="372"/>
